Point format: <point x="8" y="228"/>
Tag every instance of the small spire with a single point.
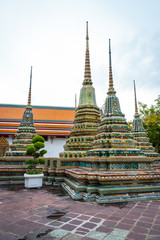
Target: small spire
<point x="136" y="108"/>
<point x="111" y="88"/>
<point x="30" y="88"/>
<point x="87" y="73"/>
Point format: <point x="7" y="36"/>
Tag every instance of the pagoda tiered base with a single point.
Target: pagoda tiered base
<point x="112" y="186"/>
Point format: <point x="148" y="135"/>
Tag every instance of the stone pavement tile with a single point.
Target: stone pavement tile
<point x="155" y="232"/>
<point x="23" y="222"/>
<point x="143" y="224"/>
<point x="58" y="233"/>
<point x="81" y="233"/>
<point x="120" y="232"/>
<point x="87" y="238"/>
<point x="149" y="215"/>
<point x="68" y="227"/>
<point x="157" y="227"/>
<point x="128" y="221"/>
<point x="83" y="229"/>
<point x="104" y="229"/>
<point x="44" y="221"/>
<point x="114" y="218"/>
<point x="95" y="220"/>
<point x="157" y="221"/>
<point x="124" y="226"/>
<point x="35" y="225"/>
<point x="153" y="238"/>
<point x="34" y="218"/>
<point x="130" y="216"/>
<point x="64" y="219"/>
<point x="110" y="223"/>
<point x="56" y="224"/>
<point x="99" y="215"/>
<point x="9" y="236"/>
<point x="72" y="215"/>
<point x="10" y="227"/>
<point x="83" y="217"/>
<point x="113" y="237"/>
<point x="140" y="230"/>
<point x="21" y="231"/>
<point x="72" y="237"/>
<point x="147" y="219"/>
<point x="96" y="235"/>
<point x="76" y="222"/>
<point x="136" y="236"/>
<point x="89" y="225"/>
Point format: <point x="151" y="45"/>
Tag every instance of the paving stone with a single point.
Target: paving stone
<point x="136" y="236"/>
<point x="95" y="220"/>
<point x="68" y="227"/>
<point x="96" y="235"/>
<point x="58" y="233"/>
<point x="72" y="237"/>
<point x="84" y="217"/>
<point x="104" y="229"/>
<point x="113" y="237"/>
<point x="140" y="230"/>
<point x="76" y="222"/>
<point x="124" y="226"/>
<point x="56" y="224"/>
<point x="82" y="233"/>
<point x="154" y="238"/>
<point x="128" y="221"/>
<point x="120" y="232"/>
<point x="72" y="215"/>
<point x="89" y="225"/>
<point x="109" y="223"/>
<point x="143" y="224"/>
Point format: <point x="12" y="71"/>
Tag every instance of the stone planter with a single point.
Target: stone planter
<point x="33" y="180"/>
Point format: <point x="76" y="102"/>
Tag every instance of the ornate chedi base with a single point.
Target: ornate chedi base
<point x="112" y="186"/>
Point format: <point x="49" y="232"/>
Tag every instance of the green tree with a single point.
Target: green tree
<point x="151" y="121"/>
<point x="34" y="150"/>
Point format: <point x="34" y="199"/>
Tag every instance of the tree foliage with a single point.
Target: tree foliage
<point x="151" y="121"/>
<point x="34" y="150"/>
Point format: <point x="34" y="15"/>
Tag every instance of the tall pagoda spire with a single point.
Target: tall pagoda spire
<point x="87" y="73"/>
<point x="112" y="105"/>
<point x="87" y="115"/>
<point x="135" y="98"/>
<point x="26" y="130"/>
<point x="30" y="88"/>
<point x="111" y="87"/>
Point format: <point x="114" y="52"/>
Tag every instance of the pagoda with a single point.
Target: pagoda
<point x="114" y="137"/>
<point x="87" y="115"/>
<point x="26" y="131"/>
<point x="114" y="169"/>
<point x="140" y="134"/>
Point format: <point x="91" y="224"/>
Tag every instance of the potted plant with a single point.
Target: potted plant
<point x="34" y="175"/>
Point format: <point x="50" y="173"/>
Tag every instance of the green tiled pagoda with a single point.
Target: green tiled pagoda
<point x="114" y="137"/>
<point x="140" y="134"/>
<point x="26" y="131"/>
<point x="87" y="116"/>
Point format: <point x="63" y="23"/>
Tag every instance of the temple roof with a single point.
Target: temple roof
<point x="48" y="120"/>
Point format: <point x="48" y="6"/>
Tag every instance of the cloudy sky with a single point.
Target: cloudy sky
<point x="50" y="36"/>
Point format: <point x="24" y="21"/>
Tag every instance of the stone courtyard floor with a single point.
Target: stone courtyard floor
<point x="48" y="213"/>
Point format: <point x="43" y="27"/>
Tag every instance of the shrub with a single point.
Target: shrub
<point x="38" y="138"/>
<point x="38" y="143"/>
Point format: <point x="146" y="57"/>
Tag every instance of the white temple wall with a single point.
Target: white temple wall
<point x="54" y="145"/>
